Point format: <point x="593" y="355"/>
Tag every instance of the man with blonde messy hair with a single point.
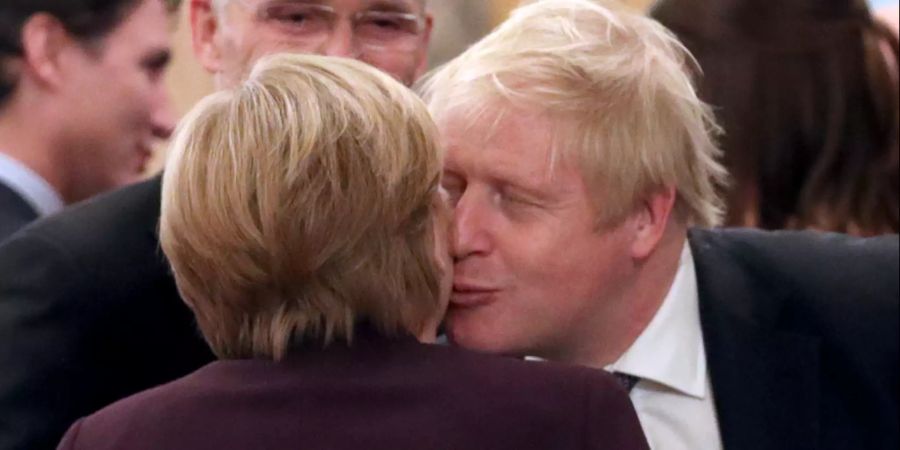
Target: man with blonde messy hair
<point x="303" y="221"/>
<point x="584" y="173"/>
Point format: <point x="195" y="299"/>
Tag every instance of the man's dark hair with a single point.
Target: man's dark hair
<point x="87" y="20"/>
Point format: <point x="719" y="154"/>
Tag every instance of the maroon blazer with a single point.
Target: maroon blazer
<point x="381" y="394"/>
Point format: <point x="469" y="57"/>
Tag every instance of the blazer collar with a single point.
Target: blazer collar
<point x="765" y="382"/>
<point x="30" y="186"/>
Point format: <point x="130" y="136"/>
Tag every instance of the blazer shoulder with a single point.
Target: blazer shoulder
<point x="72" y="259"/>
<point x="517" y="374"/>
<point x="15" y="212"/>
<point x="836" y="287"/>
<point x="94" y="225"/>
<point x="601" y="411"/>
<point x="145" y="412"/>
<point x="586" y="402"/>
<point x="796" y="245"/>
<point x="828" y="264"/>
<point x="499" y="402"/>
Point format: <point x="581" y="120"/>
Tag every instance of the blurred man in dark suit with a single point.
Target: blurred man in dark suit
<point x="89" y="313"/>
<point x="583" y="170"/>
<point x="81" y="100"/>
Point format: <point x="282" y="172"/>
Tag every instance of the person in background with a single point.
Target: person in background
<point x="82" y="99"/>
<point x="583" y="172"/>
<point x="318" y="280"/>
<point x="807" y="94"/>
<point x="89" y="312"/>
<point x="890" y="15"/>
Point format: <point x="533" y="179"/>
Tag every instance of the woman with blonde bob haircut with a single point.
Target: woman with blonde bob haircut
<point x="290" y="201"/>
<point x="302" y="219"/>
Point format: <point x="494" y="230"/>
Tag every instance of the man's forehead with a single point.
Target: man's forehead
<point x="148" y="25"/>
<point x="490" y="125"/>
<point x="519" y="150"/>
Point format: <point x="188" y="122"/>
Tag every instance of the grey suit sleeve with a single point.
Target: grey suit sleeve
<point x="41" y="332"/>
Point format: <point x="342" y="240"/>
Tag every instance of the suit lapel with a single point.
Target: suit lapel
<point x="765" y="382"/>
<point x="12" y="205"/>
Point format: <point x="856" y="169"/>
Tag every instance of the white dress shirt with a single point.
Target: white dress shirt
<point x="674" y="398"/>
<point x="30" y="186"/>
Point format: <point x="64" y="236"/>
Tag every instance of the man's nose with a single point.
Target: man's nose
<point x="470" y="233"/>
<point x="162" y="119"/>
<point x="341" y="42"/>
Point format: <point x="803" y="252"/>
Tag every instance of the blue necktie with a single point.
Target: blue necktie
<point x="628" y="382"/>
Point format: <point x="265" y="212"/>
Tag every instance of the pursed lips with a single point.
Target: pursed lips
<point x="467" y="294"/>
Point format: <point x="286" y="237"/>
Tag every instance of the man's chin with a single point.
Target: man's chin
<point x="471" y="338"/>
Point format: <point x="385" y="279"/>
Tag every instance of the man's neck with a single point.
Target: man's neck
<point x="618" y="331"/>
<point x="32" y="145"/>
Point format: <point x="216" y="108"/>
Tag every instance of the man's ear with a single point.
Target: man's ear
<point x="44" y="40"/>
<point x="204" y="33"/>
<point x="651" y="221"/>
<point x="426" y="44"/>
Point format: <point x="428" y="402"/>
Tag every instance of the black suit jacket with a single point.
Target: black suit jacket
<point x="381" y="394"/>
<point x="801" y="332"/>
<point x="15" y="212"/>
<point x="89" y="314"/>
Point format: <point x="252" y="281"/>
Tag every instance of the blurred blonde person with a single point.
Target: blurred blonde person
<point x="302" y="218"/>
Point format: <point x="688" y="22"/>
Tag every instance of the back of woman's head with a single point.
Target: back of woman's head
<point x="807" y="93"/>
<point x="300" y="204"/>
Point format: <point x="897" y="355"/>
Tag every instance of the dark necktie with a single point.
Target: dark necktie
<point x="628" y="382"/>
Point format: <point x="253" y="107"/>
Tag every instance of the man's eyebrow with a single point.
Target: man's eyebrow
<point x="401" y="6"/>
<point x="533" y="183"/>
<point x="313" y="2"/>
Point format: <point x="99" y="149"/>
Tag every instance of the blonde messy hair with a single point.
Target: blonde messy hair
<point x="617" y="88"/>
<point x="300" y="204"/>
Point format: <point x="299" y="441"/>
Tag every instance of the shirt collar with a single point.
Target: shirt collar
<point x="30" y="186"/>
<point x="670" y="351"/>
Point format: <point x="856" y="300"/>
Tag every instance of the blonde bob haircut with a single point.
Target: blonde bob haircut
<point x="617" y="89"/>
<point x="301" y="204"/>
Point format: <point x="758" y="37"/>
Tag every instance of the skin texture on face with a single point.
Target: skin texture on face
<point x="533" y="274"/>
<point x="117" y="101"/>
<point x="229" y="43"/>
